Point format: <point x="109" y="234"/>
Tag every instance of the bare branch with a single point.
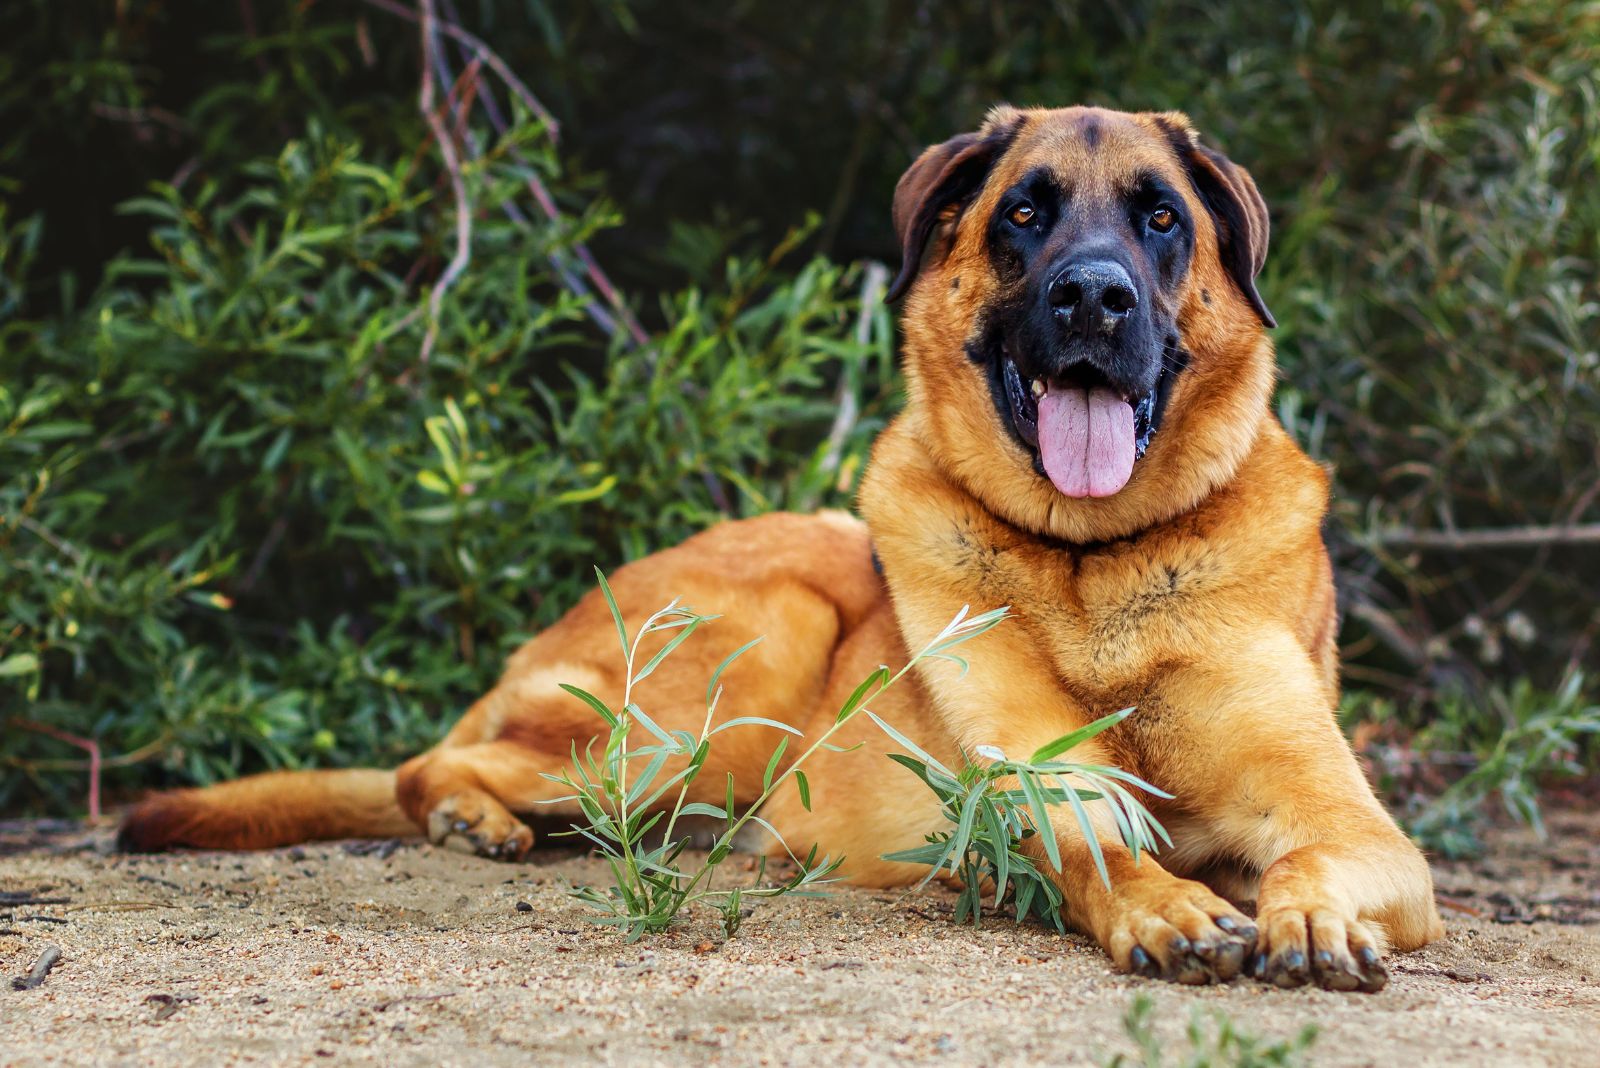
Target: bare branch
<point x="481" y="53"/>
<point x="873" y="282"/>
<point x="1503" y="538"/>
<point x="494" y="62"/>
<point x="44" y="533"/>
<point x="452" y="164"/>
<point x="88" y="745"/>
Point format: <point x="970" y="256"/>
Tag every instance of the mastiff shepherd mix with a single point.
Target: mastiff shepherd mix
<point x="1088" y="439"/>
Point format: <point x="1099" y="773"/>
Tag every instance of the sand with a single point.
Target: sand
<point x="403" y="954"/>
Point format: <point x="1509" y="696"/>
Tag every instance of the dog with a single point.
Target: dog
<point x="1087" y="439"/>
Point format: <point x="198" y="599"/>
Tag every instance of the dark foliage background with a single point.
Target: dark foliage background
<point x="244" y="522"/>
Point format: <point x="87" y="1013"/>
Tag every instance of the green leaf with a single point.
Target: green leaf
<point x="716" y="676"/>
<point x="908" y="745"/>
<point x="677" y="640"/>
<point x="673" y="744"/>
<point x="588" y="493"/>
<point x="1078" y="737"/>
<point x="858" y="696"/>
<point x="1087" y="827"/>
<point x="805" y="789"/>
<point x="18" y="664"/>
<point x="969" y="813"/>
<point x="645" y="778"/>
<point x="616" y="613"/>
<point x="1041" y="817"/>
<point x="593" y="702"/>
<point x="1024" y="901"/>
<point x="1002" y="851"/>
<point x="434" y="484"/>
<point x="758" y="721"/>
<point x="700" y="808"/>
<point x="772" y="764"/>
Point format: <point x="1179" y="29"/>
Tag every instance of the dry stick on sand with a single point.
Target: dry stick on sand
<point x="41" y="968"/>
<point x="11" y="898"/>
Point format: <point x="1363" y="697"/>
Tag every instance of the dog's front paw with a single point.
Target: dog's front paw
<point x="474" y="822"/>
<point x="1322" y="946"/>
<point x="1175" y="929"/>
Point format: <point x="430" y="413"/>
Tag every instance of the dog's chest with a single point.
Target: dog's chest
<point x="1104" y="619"/>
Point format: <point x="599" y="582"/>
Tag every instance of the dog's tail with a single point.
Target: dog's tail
<point x="275" y="809"/>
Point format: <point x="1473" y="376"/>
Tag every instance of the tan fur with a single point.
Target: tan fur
<point x="1201" y="593"/>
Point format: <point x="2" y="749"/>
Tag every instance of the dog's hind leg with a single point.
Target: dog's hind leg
<point x="464" y="796"/>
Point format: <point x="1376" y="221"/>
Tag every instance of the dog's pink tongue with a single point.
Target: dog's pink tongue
<point x="1086" y="441"/>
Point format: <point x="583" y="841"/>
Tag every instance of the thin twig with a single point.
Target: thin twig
<point x="541" y="194"/>
<point x="1503" y="538"/>
<point x="61" y="545"/>
<point x="452" y="165"/>
<point x="141" y="116"/>
<point x="569" y="279"/>
<point x="494" y="62"/>
<point x="89" y="745"/>
<point x="269" y="545"/>
<point x="41" y="968"/>
<point x="385" y="1006"/>
<point x="849" y="409"/>
<point x="1387" y="628"/>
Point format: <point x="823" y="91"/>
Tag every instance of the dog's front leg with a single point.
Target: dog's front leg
<point x="1150" y="922"/>
<point x="1279" y="789"/>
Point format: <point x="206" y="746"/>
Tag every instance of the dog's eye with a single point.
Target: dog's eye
<point x="1163" y="219"/>
<point x="1021" y="215"/>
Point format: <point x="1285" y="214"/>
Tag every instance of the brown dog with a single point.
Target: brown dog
<point x="1088" y="440"/>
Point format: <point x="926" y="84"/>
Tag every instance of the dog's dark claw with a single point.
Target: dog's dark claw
<point x="1289" y="970"/>
<point x="1228" y="961"/>
<point x="1143" y="964"/>
<point x="1226" y="923"/>
<point x="461" y="826"/>
<point x="1335" y="973"/>
<point x="1374" y="976"/>
<point x="1258" y="966"/>
<point x="1190" y="970"/>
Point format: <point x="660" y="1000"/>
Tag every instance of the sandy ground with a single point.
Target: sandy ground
<point x="402" y="954"/>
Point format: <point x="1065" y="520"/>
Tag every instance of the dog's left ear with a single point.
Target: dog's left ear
<point x="939" y="184"/>
<point x="1236" y="207"/>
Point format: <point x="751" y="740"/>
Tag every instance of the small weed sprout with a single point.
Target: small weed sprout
<point x="1228" y="1047"/>
<point x="624" y="792"/>
<point x="992" y="821"/>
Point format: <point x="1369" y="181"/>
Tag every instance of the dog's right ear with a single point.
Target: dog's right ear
<point x="940" y="184"/>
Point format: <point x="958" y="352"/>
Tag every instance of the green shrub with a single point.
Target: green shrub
<point x="242" y="524"/>
<point x="245" y="525"/>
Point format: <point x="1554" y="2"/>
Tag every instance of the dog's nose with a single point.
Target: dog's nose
<point x="1092" y="297"/>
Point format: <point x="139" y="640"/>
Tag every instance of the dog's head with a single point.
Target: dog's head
<point x="1085" y="345"/>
